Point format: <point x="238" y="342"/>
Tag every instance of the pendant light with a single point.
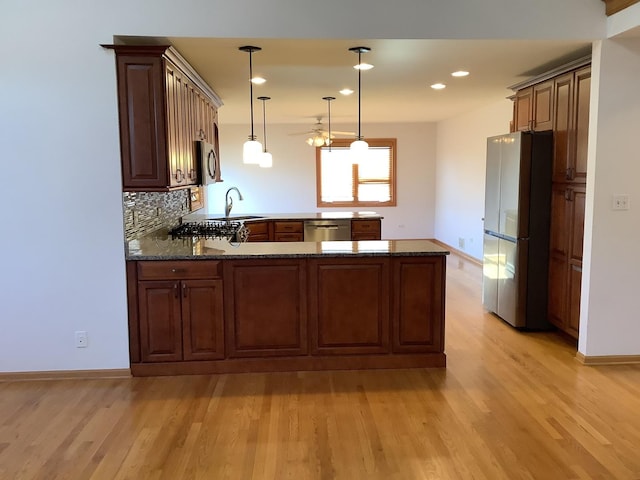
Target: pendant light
<point x="266" y="159"/>
<point x="328" y="141"/>
<point x="252" y="149"/>
<point x="359" y="145"/>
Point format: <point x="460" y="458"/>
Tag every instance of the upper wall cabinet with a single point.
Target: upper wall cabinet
<point x="572" y="92"/>
<point x="534" y="107"/>
<point x="165" y="108"/>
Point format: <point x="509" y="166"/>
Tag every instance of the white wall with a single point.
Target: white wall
<point x="290" y="185"/>
<point x="460" y="174"/>
<point x="610" y="322"/>
<point x="60" y="152"/>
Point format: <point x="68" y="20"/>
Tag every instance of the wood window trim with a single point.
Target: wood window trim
<point x="373" y="142"/>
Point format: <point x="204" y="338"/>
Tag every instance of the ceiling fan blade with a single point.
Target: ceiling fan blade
<point x="338" y="132"/>
<point x="309" y="132"/>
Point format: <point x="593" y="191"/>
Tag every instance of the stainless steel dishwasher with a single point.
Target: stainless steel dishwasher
<point x="325" y="230"/>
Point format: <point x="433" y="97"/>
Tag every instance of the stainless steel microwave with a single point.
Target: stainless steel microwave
<point x="209" y="163"/>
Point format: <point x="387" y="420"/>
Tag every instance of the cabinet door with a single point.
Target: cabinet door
<point x="543" y="106"/>
<point x="418" y="299"/>
<point x="265" y="308"/>
<point x="565" y="256"/>
<point x="202" y="320"/>
<point x="349" y="306"/>
<point x="581" y="125"/>
<point x="160" y="324"/>
<point x="523" y="109"/>
<point x="174" y="132"/>
<point x="141" y="110"/>
<point x="558" y="257"/>
<point x="561" y="135"/>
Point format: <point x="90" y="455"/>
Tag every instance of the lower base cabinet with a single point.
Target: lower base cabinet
<point x="180" y="313"/>
<point x="286" y="314"/>
<point x="265" y="308"/>
<point x="565" y="257"/>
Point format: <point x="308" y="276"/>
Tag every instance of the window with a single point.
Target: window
<point x="368" y="183"/>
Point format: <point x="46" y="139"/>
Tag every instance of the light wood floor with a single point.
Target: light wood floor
<point x="509" y="405"/>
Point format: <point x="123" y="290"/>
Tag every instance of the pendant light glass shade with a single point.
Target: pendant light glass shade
<point x="359" y="146"/>
<point x="252" y="149"/>
<point x="251" y="152"/>
<point x="265" y="159"/>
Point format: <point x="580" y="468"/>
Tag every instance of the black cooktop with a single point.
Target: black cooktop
<point x="232" y="231"/>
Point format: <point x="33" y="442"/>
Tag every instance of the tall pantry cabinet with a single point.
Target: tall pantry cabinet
<point x="565" y="93"/>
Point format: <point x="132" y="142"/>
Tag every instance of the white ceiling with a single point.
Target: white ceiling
<point x="300" y="72"/>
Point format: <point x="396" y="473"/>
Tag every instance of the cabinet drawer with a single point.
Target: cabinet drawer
<point x="365" y="236"/>
<point x="288" y="237"/>
<point x="365" y="226"/>
<point x="288" y="227"/>
<point x="179" y="269"/>
<point x="259" y="237"/>
<point x="258" y="228"/>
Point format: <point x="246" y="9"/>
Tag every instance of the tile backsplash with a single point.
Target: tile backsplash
<point x="145" y="212"/>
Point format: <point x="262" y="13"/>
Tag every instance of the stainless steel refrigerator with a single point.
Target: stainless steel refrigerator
<point x="516" y="228"/>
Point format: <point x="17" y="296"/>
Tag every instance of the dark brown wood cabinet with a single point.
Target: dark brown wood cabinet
<point x="288" y="231"/>
<point x="418" y="296"/>
<point x="265" y="308"/>
<point x="565" y="256"/>
<point x="565" y="94"/>
<point x="365" y="229"/>
<point x="533" y="109"/>
<point x="259" y="231"/>
<point x="349" y="306"/>
<point x="321" y="312"/>
<point x="572" y="91"/>
<point x="179" y="311"/>
<point x="164" y="108"/>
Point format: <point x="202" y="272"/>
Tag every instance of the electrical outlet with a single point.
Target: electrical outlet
<point x="620" y="202"/>
<point x="81" y="339"/>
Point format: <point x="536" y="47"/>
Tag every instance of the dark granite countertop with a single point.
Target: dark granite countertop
<point x="248" y="217"/>
<point x="160" y="246"/>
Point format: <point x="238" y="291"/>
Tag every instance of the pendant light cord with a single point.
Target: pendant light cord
<point x="359" y="92"/>
<point x="253" y="137"/>
<point x="264" y="123"/>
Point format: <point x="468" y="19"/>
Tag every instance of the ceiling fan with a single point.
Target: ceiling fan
<point x="319" y="136"/>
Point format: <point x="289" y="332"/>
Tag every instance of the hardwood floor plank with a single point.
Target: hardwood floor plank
<point x="510" y="405"/>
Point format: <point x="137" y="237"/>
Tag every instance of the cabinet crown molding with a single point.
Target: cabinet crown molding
<point x="567" y="67"/>
<point x="172" y="54"/>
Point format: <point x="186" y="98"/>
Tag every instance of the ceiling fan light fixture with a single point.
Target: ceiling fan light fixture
<point x="252" y="149"/>
<point x="363" y="66"/>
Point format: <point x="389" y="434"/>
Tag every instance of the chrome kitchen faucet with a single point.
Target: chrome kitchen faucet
<point x="228" y="201"/>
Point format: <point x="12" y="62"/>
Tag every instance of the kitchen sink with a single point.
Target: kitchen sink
<point x="235" y="218"/>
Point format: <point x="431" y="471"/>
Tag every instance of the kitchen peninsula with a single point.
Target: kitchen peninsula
<point x="210" y="306"/>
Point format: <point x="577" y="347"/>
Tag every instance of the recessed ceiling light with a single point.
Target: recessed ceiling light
<point x="460" y="73"/>
<point x="258" y="80"/>
<point x="346" y="91"/>
<point x="363" y="66"/>
<point x="438" y="86"/>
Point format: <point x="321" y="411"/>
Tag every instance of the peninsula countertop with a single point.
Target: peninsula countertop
<point x="248" y="217"/>
<point x="161" y="246"/>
